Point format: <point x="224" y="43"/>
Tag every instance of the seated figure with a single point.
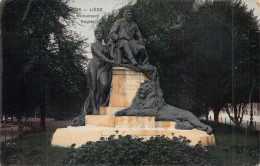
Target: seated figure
<point x="126" y="42"/>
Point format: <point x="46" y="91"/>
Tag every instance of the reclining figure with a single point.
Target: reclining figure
<point x="149" y="102"/>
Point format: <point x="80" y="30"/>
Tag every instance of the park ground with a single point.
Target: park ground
<point x="234" y="147"/>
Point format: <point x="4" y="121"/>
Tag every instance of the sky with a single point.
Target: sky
<point x="254" y="4"/>
<point x="91" y="11"/>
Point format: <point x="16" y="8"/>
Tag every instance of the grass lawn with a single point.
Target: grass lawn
<point x="233" y="147"/>
<point x="32" y="149"/>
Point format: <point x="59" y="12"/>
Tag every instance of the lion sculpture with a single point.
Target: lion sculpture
<point x="149" y="102"/>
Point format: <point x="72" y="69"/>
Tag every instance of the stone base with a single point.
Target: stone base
<point x="65" y="137"/>
<point x="98" y="126"/>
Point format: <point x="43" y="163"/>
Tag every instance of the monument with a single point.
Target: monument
<point x="125" y="96"/>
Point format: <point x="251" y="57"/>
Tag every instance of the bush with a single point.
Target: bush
<point x="134" y="151"/>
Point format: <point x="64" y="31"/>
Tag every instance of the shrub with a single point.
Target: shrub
<point x="134" y="151"/>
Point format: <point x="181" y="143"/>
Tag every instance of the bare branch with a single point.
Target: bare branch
<point x="228" y="112"/>
<point x="243" y="111"/>
<point x="27" y="10"/>
<point x="239" y="110"/>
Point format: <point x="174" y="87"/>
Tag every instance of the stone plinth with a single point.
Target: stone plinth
<point x="165" y="124"/>
<point x="65" y="137"/>
<point x="100" y="120"/>
<point x="98" y="126"/>
<point x="122" y="121"/>
<point x="125" y="83"/>
<point x="134" y="121"/>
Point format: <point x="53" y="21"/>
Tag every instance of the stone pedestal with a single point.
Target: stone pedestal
<point x="98" y="126"/>
<point x="125" y="83"/>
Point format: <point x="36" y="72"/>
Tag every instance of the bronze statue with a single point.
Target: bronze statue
<point x="126" y="42"/>
<point x="99" y="75"/>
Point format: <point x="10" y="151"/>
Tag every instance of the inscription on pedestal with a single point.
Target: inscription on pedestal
<point x="125" y="84"/>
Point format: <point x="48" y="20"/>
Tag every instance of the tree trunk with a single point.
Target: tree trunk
<point x="251" y="125"/>
<point x="42" y="117"/>
<point x="43" y="109"/>
<point x="236" y="116"/>
<point x="216" y="113"/>
<point x="6" y="118"/>
<point x="2" y="6"/>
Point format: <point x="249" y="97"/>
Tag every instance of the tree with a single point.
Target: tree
<point x="2" y="7"/>
<point x="226" y="55"/>
<point x="42" y="60"/>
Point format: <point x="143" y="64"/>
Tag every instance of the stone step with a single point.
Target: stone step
<point x="121" y="121"/>
<point x="135" y="121"/>
<point x="110" y="110"/>
<point x="165" y="124"/>
<point x="65" y="137"/>
<point x="100" y="120"/>
<point x="127" y="121"/>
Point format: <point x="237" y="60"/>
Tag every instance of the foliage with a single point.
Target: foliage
<point x="134" y="151"/>
<point x="42" y="59"/>
<point x="225" y="64"/>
